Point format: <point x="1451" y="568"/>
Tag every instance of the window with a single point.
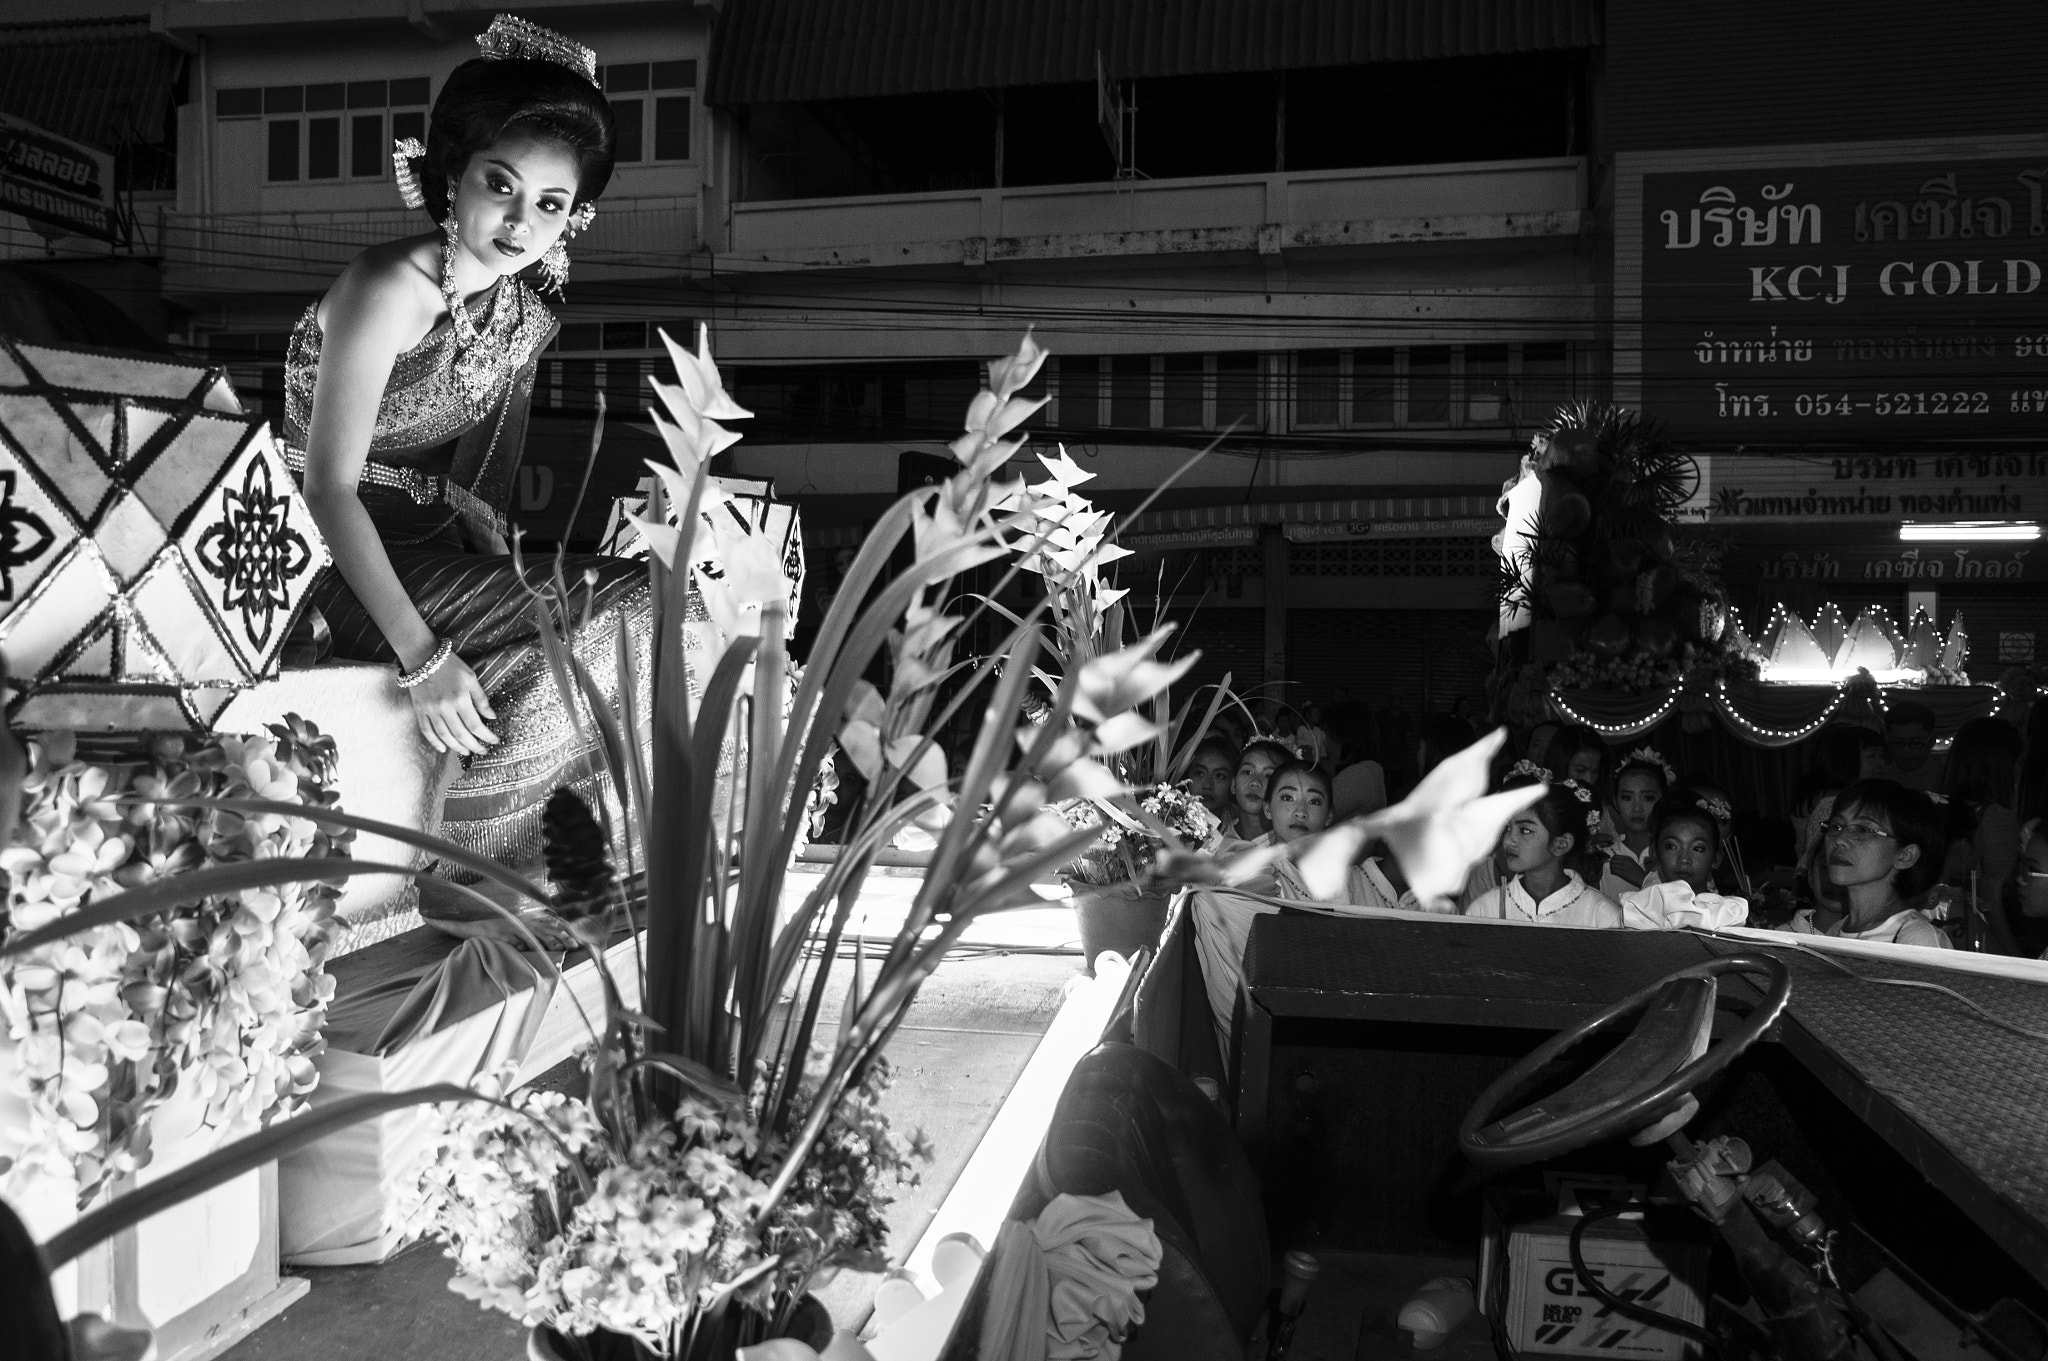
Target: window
<point x="1316" y="387"/>
<point x="625" y="335"/>
<point x="626" y="113"/>
<point x="1080" y="388"/>
<point x="1237" y="391"/>
<point x="367" y="148"/>
<point x="651" y="118"/>
<point x="1546" y="382"/>
<point x="284" y="150"/>
<point x="672" y="128"/>
<point x="1130" y="391"/>
<point x="323" y="148"/>
<point x="1373" y="386"/>
<point x="1486" y="384"/>
<point x="1185" y="407"/>
<point x="312" y="147"/>
<point x="1429" y="385"/>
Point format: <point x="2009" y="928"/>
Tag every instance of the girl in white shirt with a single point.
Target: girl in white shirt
<point x="1547" y="851"/>
<point x="1679" y="892"/>
<point x="1640" y="785"/>
<point x="1881" y="846"/>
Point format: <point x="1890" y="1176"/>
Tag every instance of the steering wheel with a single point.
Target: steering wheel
<point x="1645" y="1081"/>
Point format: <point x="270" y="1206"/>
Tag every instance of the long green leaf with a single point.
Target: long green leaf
<point x="180" y="889"/>
<point x="482" y="866"/>
<point x="697" y="1025"/>
<point x="245" y="1156"/>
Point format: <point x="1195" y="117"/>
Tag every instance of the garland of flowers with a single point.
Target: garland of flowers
<point x="228" y="994"/>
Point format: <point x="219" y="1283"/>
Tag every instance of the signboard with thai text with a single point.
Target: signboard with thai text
<point x="1903" y="301"/>
<point x="1816" y="492"/>
<point x="1918" y="564"/>
<point x="53" y="180"/>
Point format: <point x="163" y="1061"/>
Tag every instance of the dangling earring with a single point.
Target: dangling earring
<point x="554" y="267"/>
<point x="458" y="315"/>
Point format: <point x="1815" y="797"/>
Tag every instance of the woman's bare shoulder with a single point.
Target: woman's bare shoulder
<point x="390" y="290"/>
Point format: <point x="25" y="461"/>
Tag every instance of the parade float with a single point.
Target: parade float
<point x="1614" y="616"/>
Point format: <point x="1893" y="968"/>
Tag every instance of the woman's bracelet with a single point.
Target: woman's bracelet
<point x="407" y="680"/>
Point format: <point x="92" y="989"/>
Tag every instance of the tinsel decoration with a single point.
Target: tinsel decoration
<point x="578" y="860"/>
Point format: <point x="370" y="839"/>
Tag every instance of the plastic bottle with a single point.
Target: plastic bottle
<point x="1437" y="1310"/>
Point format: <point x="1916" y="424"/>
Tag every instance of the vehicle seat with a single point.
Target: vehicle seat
<point x="1129" y="1122"/>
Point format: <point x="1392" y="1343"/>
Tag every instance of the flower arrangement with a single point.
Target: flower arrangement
<point x="668" y="1216"/>
<point x="718" y="1165"/>
<point x="1126" y="849"/>
<point x="226" y="995"/>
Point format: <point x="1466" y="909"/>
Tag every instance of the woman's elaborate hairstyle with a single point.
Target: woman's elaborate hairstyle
<point x="1983" y="761"/>
<point x="1915" y="820"/>
<point x="1312" y="773"/>
<point x="1444" y="735"/>
<point x="482" y="100"/>
<point x="1568" y="742"/>
<point x="1358" y="736"/>
<point x="1568" y="808"/>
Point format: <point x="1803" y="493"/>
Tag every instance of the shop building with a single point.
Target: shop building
<point x="1828" y="264"/>
<point x="1350" y="247"/>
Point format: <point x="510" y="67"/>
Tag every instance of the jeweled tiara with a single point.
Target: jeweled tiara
<point x="510" y="36"/>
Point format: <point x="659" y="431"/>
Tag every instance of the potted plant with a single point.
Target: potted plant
<point x="1119" y="903"/>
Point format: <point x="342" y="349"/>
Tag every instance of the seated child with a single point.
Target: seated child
<point x="1298" y="801"/>
<point x="1881" y="846"/>
<point x="1679" y="892"/>
<point x="1642" y="781"/>
<point x="1547" y="851"/>
<point x="1210" y="770"/>
<point x="1245" y="817"/>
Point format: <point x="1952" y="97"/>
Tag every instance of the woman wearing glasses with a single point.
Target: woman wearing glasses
<point x="1881" y="847"/>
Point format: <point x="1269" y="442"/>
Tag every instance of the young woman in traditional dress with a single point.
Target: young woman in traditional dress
<point x="407" y="389"/>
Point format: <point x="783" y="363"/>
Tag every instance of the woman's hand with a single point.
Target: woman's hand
<point x="453" y="711"/>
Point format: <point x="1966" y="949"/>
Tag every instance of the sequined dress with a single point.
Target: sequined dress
<point x="441" y="465"/>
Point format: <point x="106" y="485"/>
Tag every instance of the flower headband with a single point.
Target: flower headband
<point x="1525" y="766"/>
<point x="1650" y="756"/>
<point x="1585" y="796"/>
<point x="1284" y="743"/>
<point x="1715" y="807"/>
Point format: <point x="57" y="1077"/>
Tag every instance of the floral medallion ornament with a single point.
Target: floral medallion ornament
<point x="153" y="548"/>
<point x="254" y="551"/>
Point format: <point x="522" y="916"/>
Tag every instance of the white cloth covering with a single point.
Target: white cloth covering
<point x="1673" y="907"/>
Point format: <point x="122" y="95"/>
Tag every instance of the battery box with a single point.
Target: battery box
<point x="1659" y="1259"/>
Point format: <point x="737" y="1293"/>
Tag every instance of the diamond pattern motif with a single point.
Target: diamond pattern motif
<point x="153" y="548"/>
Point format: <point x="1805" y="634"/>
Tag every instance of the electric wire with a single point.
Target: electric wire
<point x="1628" y="1308"/>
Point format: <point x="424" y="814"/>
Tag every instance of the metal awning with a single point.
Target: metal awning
<point x="102" y="83"/>
<point x="785" y="50"/>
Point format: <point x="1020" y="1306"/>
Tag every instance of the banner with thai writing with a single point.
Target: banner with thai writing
<point x="1816" y="492"/>
<point x="52" y="179"/>
<point x="1843" y="302"/>
<point x="1878" y="562"/>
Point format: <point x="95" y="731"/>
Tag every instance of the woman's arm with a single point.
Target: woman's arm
<point x="373" y="312"/>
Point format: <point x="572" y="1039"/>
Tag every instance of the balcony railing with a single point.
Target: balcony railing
<point x="1264" y="213"/>
<point x="302" y="252"/>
